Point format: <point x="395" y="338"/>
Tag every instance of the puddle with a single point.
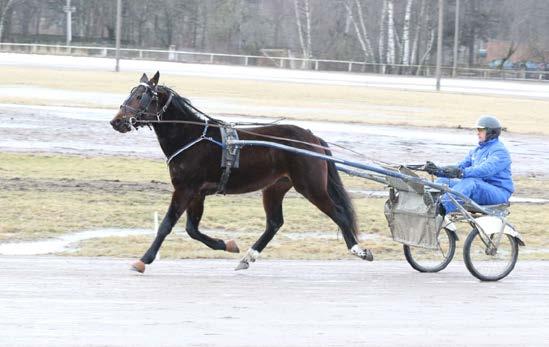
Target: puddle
<point x="64" y="242"/>
<point x="69" y="242"/>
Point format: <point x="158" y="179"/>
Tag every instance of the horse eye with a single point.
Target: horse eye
<point x="139" y="97"/>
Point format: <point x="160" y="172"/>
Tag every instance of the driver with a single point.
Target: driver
<point x="485" y="173"/>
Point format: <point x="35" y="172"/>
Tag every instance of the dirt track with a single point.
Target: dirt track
<point x="54" y="301"/>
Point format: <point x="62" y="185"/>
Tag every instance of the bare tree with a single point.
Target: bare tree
<point x="512" y="49"/>
<point x="5" y="7"/>
<point x="382" y="31"/>
<point x="360" y="29"/>
<point x="303" y="13"/>
<point x="382" y="34"/>
<point x="406" y="33"/>
<point x="390" y="33"/>
<point x="428" y="49"/>
<point x="419" y="25"/>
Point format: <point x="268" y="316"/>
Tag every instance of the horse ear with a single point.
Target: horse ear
<point x="154" y="80"/>
<point x="144" y="79"/>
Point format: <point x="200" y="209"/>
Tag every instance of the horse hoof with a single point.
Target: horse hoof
<point x="138" y="266"/>
<point x="364" y="254"/>
<point x="368" y="255"/>
<point x="231" y="246"/>
<point x="243" y="265"/>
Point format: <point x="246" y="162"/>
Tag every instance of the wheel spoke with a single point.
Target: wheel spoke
<point x="487" y="265"/>
<point x="432" y="260"/>
<point x="441" y="251"/>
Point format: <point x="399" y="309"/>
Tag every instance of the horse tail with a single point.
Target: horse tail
<point x="338" y="194"/>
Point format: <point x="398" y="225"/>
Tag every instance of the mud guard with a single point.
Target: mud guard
<point x="492" y="225"/>
<point x="450" y="226"/>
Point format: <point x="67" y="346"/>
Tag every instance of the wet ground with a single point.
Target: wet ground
<point x="87" y="131"/>
<point x="65" y="301"/>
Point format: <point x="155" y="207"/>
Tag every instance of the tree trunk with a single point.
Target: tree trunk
<point x="308" y="27"/>
<point x="361" y="32"/>
<point x="406" y="34"/>
<point x="414" y="55"/>
<point x="37" y="23"/>
<point x="390" y="33"/>
<point x="304" y="34"/>
<point x="472" y="34"/>
<point x="4" y="11"/>
<point x="369" y="49"/>
<point x="427" y="50"/>
<point x="382" y="34"/>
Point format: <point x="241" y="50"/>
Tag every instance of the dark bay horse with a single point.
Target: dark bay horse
<point x="196" y="172"/>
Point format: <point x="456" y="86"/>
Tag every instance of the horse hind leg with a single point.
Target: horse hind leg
<point x="340" y="217"/>
<point x="194" y="215"/>
<point x="327" y="194"/>
<point x="272" y="203"/>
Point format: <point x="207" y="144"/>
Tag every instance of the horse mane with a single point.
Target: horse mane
<point x="185" y="106"/>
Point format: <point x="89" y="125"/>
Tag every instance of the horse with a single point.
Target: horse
<point x="192" y="142"/>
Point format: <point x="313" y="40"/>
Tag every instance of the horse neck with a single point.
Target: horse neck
<point x="173" y="136"/>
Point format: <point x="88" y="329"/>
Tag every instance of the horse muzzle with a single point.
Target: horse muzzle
<point x="121" y="125"/>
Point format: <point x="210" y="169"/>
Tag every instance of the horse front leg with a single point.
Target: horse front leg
<point x="180" y="201"/>
<point x="272" y="203"/>
<point x="194" y="215"/>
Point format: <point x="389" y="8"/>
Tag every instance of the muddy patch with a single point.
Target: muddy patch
<point x="530" y="195"/>
<point x="75" y="185"/>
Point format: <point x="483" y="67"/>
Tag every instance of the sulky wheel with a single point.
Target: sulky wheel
<point x="485" y="262"/>
<point x="432" y="260"/>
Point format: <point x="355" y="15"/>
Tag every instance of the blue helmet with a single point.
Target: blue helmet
<point x="492" y="126"/>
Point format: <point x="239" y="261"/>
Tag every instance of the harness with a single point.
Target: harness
<point x="230" y="152"/>
<point x="230" y="157"/>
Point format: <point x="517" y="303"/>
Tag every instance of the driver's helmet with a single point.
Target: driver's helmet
<point x="491" y="124"/>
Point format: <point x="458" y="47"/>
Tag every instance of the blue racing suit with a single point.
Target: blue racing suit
<point x="486" y="176"/>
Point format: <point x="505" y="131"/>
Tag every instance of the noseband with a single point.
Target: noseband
<point x="141" y="114"/>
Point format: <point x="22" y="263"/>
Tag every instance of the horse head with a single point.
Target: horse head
<point x="142" y="105"/>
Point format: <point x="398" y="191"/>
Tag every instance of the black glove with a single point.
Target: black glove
<point x="452" y="172"/>
<point x="431" y="168"/>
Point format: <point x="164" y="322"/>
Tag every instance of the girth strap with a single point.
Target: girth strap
<point x="230" y="157"/>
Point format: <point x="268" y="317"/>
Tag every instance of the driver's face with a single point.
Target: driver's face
<point x="481" y="133"/>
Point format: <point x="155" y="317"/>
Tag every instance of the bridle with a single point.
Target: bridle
<point x="141" y="115"/>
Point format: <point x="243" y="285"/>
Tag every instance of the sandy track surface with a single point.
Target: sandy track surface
<point x="65" y="301"/>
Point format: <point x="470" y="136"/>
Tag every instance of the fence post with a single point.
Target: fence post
<point x="171" y="54"/>
<point x="316" y="64"/>
<point x="211" y="58"/>
<point x="246" y="61"/>
<point x="350" y="67"/>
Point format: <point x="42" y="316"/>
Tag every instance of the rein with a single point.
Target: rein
<point x="216" y="123"/>
<point x="206" y="125"/>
